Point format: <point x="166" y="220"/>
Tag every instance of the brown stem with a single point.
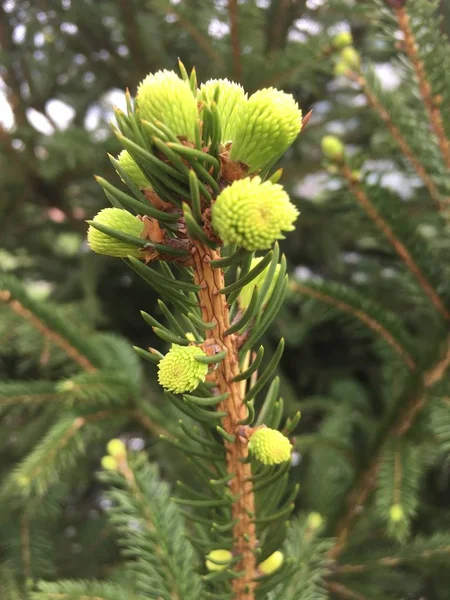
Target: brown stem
<point x="401" y="424"/>
<point x="57" y="339"/>
<point x="233" y="14"/>
<point x="373" y="324"/>
<point x="364" y="201"/>
<point x="201" y="39"/>
<point x="426" y="91"/>
<point x="401" y="141"/>
<point x="343" y="592"/>
<point x="25" y="545"/>
<point x="391" y="561"/>
<point x="215" y="308"/>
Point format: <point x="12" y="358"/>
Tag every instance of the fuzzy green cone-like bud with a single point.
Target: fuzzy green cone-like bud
<point x="131" y="168"/>
<point x="341" y="68"/>
<point x="164" y="97"/>
<point x="315" y="520"/>
<point x="332" y="147"/>
<point x="109" y="463"/>
<point x="121" y="220"/>
<point x="271" y="564"/>
<point x="221" y="556"/>
<point x="343" y="39"/>
<point x="179" y="372"/>
<point x="253" y="214"/>
<point x="351" y="57"/>
<point x="247" y="291"/>
<point x="396" y="513"/>
<point x="270" y="446"/>
<point x="268" y="124"/>
<point x="116" y="448"/>
<point x="230" y="102"/>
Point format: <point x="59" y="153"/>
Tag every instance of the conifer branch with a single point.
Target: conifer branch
<point x="343" y="592"/>
<point x="400" y="139"/>
<point x="25" y="545"/>
<point x="372" y="323"/>
<point x="365" y="202"/>
<point x="401" y="423"/>
<point x="56" y="338"/>
<point x="214" y="308"/>
<point x="426" y="91"/>
<point x="390" y="561"/>
<point x="197" y="35"/>
<point x="235" y="46"/>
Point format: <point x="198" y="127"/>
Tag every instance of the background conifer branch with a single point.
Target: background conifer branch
<point x="372" y="323"/>
<point x="84" y="362"/>
<point x="343" y="591"/>
<point x="364" y="201"/>
<point x="401" y="423"/>
<point x="25" y="544"/>
<point x="201" y="39"/>
<point x="235" y="45"/>
<point x="401" y="141"/>
<point x="430" y="102"/>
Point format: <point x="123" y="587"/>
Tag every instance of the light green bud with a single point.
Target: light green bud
<point x="253" y="214"/>
<point x="165" y="97"/>
<point x="267" y="125"/>
<point x="120" y="220"/>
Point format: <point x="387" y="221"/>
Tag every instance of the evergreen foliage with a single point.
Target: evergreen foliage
<point x="365" y="325"/>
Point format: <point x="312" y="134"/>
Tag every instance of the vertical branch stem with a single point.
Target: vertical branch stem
<point x="426" y="91"/>
<point x="215" y="308"/>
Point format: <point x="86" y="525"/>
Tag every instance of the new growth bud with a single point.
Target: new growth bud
<point x="333" y="148"/>
<point x="253" y="214"/>
<point x="396" y="514"/>
<point x="109" y="463"/>
<point x="116" y="448"/>
<point x="179" y="372"/>
<point x="165" y="97"/>
<point x="267" y="125"/>
<point x="120" y="220"/>
<point x="130" y="167"/>
<point x="270" y="446"/>
<point x="315" y="520"/>
<point x="271" y="564"/>
<point x="342" y="39"/>
<point x="351" y="57"/>
<point x="231" y="98"/>
<point x="218" y="560"/>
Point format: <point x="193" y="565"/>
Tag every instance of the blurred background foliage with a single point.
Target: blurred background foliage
<point x="63" y="65"/>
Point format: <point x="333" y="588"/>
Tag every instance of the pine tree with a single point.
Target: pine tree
<point x="368" y="463"/>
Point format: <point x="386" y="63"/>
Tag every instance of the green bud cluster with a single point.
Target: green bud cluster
<point x="122" y="221"/>
<point x="270" y="446"/>
<point x="253" y="214"/>
<point x="179" y="372"/>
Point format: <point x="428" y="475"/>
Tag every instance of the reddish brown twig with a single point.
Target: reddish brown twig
<point x="403" y="252"/>
<point x="215" y="308"/>
<point x="401" y="142"/>
<point x="373" y="324"/>
<point x="343" y="592"/>
<point x="426" y="91"/>
<point x="401" y="424"/>
<point x="53" y="336"/>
